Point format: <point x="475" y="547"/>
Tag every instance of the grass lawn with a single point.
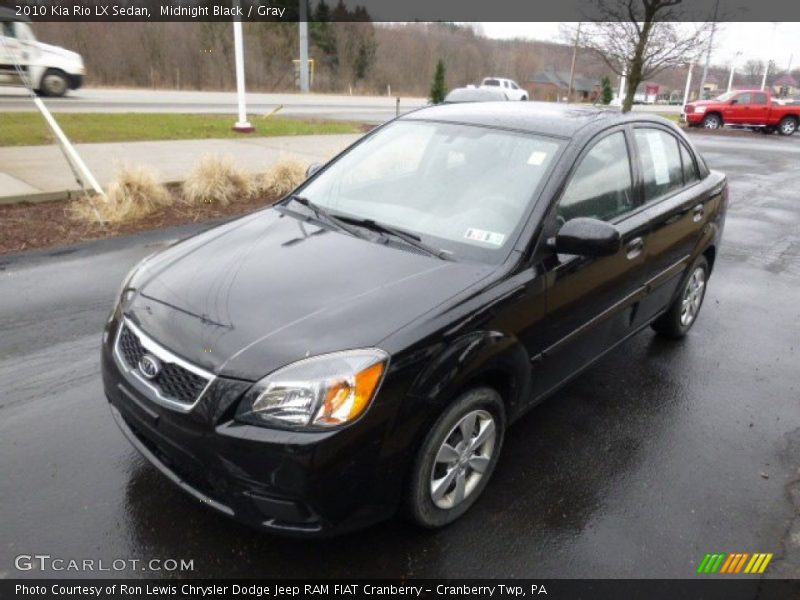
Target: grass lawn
<point x="29" y="128"/>
<point x="674" y="117"/>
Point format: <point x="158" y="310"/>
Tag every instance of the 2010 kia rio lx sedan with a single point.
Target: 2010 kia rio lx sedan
<point x="362" y="345"/>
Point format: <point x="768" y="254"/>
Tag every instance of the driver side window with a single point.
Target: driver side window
<point x="601" y="185"/>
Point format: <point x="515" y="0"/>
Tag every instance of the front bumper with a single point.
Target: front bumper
<point x="75" y="81"/>
<point x="295" y="483"/>
<point x="694" y="118"/>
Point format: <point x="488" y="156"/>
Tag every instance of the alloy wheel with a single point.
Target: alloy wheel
<point x="693" y="296"/>
<point x="462" y="459"/>
<point x="788" y="127"/>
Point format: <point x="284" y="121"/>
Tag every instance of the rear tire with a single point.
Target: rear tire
<point x="712" y="122"/>
<point x="682" y="313"/>
<point x="787" y="126"/>
<point x="456" y="459"/>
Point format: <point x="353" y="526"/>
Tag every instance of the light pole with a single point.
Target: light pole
<point x="303" y="25"/>
<point x="242" y="125"/>
<point x="764" y="78"/>
<point x="688" y="85"/>
<point x="733" y="67"/>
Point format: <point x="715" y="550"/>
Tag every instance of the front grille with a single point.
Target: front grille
<point x="173" y="382"/>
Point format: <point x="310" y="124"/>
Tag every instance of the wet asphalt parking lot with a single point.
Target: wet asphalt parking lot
<point x="659" y="453"/>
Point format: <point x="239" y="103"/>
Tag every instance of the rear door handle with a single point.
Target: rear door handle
<point x="697" y="213"/>
<point x="634" y="248"/>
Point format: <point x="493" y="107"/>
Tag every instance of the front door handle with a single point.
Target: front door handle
<point x="697" y="213"/>
<point x="634" y="248"/>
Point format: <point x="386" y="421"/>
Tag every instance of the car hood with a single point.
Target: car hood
<point x="62" y="53"/>
<point x="264" y="291"/>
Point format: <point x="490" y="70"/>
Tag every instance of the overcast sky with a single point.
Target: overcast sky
<point x="762" y="41"/>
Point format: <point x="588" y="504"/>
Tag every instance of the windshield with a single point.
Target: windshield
<point x="725" y="97"/>
<point x="464" y="189"/>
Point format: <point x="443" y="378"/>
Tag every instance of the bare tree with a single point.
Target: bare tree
<point x="752" y="71"/>
<point x="638" y="39"/>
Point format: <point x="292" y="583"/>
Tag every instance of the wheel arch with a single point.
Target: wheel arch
<point x="711" y="255"/>
<point x="480" y="358"/>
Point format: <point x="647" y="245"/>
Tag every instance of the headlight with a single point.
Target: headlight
<point x="318" y="393"/>
<point x="700" y="109"/>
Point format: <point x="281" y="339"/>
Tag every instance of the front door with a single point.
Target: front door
<point x="738" y="109"/>
<point x="591" y="301"/>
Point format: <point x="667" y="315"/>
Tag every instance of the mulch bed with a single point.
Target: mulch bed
<point x="28" y="226"/>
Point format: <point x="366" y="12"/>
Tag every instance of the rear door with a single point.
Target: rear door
<point x="759" y="108"/>
<point x="676" y="208"/>
<point x="590" y="301"/>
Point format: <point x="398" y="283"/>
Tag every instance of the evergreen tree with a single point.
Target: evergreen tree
<point x="438" y="89"/>
<point x="608" y="92"/>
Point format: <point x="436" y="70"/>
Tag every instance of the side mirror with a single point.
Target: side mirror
<point x="313" y="168"/>
<point x="588" y="237"/>
<point x="734" y="101"/>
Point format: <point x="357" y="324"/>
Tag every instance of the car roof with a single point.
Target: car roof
<point x="546" y="118"/>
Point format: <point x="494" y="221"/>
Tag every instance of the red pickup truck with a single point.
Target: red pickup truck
<point x="745" y="108"/>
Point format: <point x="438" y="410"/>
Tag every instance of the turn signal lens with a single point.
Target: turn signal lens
<point x="345" y="402"/>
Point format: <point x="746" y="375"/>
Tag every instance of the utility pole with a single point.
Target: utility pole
<point x="708" y="53"/>
<point x="572" y="68"/>
<point x="242" y="125"/>
<point x="303" y="24"/>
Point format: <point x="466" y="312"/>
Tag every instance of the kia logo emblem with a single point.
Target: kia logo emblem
<point x="149" y="366"/>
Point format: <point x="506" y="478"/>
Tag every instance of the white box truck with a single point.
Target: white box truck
<point x="52" y="71"/>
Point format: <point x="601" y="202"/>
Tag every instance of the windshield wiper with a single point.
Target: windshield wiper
<point x="323" y="214"/>
<point x="409" y="238"/>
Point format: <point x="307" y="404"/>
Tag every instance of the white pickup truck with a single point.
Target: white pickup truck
<point x="509" y="86"/>
<point x="51" y="70"/>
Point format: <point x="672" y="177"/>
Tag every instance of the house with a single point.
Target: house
<point x="552" y="85"/>
<point x="710" y="88"/>
<point x="786" y="86"/>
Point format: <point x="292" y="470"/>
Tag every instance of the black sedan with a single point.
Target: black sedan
<point x="361" y="346"/>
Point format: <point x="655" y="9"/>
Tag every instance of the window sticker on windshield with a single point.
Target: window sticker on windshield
<point x="487" y="237"/>
<point x="659" y="156"/>
<point x="537" y="158"/>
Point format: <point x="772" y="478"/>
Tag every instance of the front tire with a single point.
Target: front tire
<point x="787" y="126"/>
<point x="457" y="458"/>
<point x="712" y="122"/>
<point x="682" y="313"/>
<point x="54" y="84"/>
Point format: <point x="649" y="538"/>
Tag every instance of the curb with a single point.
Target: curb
<point x="56" y="196"/>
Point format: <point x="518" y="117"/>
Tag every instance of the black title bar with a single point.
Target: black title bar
<point x="711" y="588"/>
<point x="386" y="10"/>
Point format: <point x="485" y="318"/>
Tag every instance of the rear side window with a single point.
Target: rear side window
<point x="759" y="98"/>
<point x="491" y="82"/>
<point x="601" y="186"/>
<point x="8" y="30"/>
<point x="689" y="168"/>
<point x="662" y="171"/>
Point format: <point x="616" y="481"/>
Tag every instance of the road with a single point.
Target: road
<point x="659" y="453"/>
<point x="368" y="109"/>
